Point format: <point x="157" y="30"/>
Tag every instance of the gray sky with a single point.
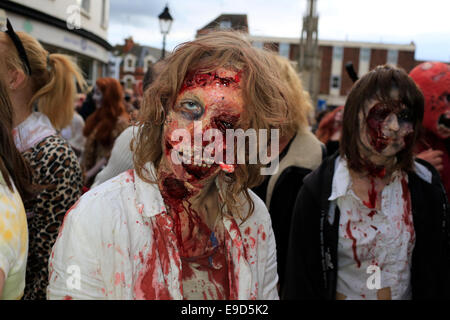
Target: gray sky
<point x="426" y="22"/>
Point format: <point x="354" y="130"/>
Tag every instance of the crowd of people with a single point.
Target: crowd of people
<point x="98" y="180"/>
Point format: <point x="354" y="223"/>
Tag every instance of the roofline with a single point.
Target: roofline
<point x="53" y="21"/>
<point x="339" y="43"/>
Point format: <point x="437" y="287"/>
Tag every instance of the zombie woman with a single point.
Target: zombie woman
<point x="372" y="223"/>
<point x="184" y="224"/>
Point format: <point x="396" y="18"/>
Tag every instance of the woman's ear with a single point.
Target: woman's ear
<point x="16" y="80"/>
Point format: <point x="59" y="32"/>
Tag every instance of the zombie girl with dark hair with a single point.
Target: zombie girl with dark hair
<point x="372" y="223"/>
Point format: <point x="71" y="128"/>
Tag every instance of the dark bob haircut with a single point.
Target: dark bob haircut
<point x="378" y="85"/>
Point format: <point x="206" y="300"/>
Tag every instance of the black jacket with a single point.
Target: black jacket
<point x="311" y="271"/>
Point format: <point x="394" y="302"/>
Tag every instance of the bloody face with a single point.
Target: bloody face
<point x="207" y="101"/>
<point x="433" y="78"/>
<point x="388" y="127"/>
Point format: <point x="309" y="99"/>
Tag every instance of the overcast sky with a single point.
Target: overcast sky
<point x="426" y="22"/>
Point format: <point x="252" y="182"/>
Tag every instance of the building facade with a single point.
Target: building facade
<point x="130" y="62"/>
<point x="333" y="82"/>
<point x="78" y="28"/>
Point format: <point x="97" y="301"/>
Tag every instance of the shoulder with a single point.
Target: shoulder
<point x="52" y="151"/>
<point x="103" y="206"/>
<point x="53" y="144"/>
<point x="260" y="212"/>
<point x="323" y="174"/>
<point x="305" y="151"/>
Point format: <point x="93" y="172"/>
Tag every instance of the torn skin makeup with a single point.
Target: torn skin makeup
<point x="215" y="100"/>
<point x="388" y="130"/>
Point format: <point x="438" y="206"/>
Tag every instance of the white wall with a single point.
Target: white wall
<point x="90" y="21"/>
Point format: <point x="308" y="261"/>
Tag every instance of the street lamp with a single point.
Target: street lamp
<point x="165" y="22"/>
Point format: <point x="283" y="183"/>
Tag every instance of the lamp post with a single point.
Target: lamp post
<point x="165" y="22"/>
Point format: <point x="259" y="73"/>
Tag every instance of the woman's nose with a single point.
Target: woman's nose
<point x="392" y="122"/>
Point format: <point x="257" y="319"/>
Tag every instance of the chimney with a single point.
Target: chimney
<point x="129" y="44"/>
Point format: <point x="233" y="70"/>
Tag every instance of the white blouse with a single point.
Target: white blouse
<point x="34" y="129"/>
<point x="374" y="243"/>
<point x="106" y="248"/>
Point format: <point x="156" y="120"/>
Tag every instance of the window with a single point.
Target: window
<point x="337" y="53"/>
<point x="284" y="50"/>
<point x="364" y="54"/>
<point x="84" y="4"/>
<point x="103" y="18"/>
<point x="392" y="57"/>
<point x="335" y="82"/>
<point x="225" y="25"/>
<point x="129" y="84"/>
<point x="129" y="63"/>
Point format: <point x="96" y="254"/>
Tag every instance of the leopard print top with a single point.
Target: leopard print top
<point x="55" y="166"/>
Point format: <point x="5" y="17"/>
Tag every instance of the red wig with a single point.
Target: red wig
<point x="326" y="126"/>
<point x="104" y="119"/>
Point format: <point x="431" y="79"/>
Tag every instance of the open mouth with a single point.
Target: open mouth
<point x="444" y="122"/>
<point x="198" y="169"/>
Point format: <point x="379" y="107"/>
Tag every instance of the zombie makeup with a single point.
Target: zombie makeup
<point x="389" y="127"/>
<point x="207" y="105"/>
<point x="434" y="80"/>
<point x="97" y="97"/>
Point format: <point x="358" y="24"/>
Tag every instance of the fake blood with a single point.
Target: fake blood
<point x="407" y="207"/>
<point x="375" y="120"/>
<point x="351" y="237"/>
<point x="195" y="80"/>
<point x="372" y="199"/>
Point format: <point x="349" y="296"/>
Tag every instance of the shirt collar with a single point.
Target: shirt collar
<point x="148" y="195"/>
<point x="341" y="179"/>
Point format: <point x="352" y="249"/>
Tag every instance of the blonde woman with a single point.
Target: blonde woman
<point x="42" y="90"/>
<point x="300" y="153"/>
<point x="169" y="230"/>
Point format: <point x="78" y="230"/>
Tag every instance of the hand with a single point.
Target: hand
<point x="434" y="157"/>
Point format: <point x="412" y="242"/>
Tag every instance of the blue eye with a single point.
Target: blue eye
<point x="190" y="106"/>
<point x="191" y="110"/>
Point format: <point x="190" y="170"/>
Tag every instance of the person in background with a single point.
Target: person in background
<point x="189" y="229"/>
<point x="300" y="153"/>
<point x="15" y="186"/>
<point x="73" y="133"/>
<point x="103" y="127"/>
<point x="42" y="90"/>
<point x="88" y="106"/>
<point x="433" y="78"/>
<point x="122" y="154"/>
<point x="330" y="129"/>
<point x="371" y="222"/>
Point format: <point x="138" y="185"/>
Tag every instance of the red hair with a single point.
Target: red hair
<point x="326" y="125"/>
<point x="104" y="119"/>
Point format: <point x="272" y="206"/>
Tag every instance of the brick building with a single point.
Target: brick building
<point x="334" y="82"/>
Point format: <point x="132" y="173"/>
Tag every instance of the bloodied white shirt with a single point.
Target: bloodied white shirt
<point x="375" y="246"/>
<point x="117" y="242"/>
